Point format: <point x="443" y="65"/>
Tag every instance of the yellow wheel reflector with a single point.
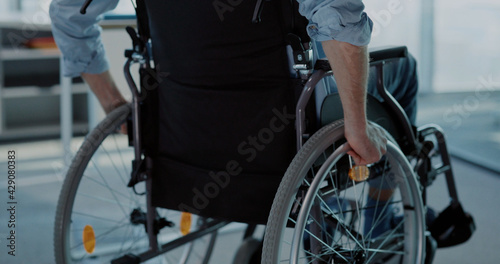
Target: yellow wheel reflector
<point x="185" y="225"/>
<point x="88" y="239"/>
<point x="359" y="173"/>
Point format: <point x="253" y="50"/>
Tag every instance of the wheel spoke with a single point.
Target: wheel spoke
<point x="95" y="193"/>
<point x="343" y="231"/>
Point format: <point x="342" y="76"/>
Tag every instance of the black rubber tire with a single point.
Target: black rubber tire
<point x="76" y="188"/>
<point x="70" y="185"/>
<point x="287" y="192"/>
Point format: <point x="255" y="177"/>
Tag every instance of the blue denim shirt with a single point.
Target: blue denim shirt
<point x="78" y="36"/>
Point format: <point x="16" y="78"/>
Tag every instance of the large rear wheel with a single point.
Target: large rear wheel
<point x="99" y="218"/>
<point x="321" y="214"/>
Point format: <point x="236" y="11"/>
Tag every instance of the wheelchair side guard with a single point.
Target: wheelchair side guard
<point x="331" y="110"/>
<point x="377" y="58"/>
<point x="453" y="226"/>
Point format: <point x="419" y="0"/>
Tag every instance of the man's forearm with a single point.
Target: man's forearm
<point x="350" y="68"/>
<point x="104" y="88"/>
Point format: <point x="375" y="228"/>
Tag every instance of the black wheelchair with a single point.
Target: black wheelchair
<point x="108" y="208"/>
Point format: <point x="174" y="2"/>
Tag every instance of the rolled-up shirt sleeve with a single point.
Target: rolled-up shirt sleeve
<point x="79" y="36"/>
<point x="342" y="20"/>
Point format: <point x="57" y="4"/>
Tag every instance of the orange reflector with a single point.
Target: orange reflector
<point x="88" y="239"/>
<point x="359" y="173"/>
<point x="185" y="225"/>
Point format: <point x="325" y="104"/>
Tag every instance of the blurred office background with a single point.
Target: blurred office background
<point x="455" y="42"/>
<point x="460" y="38"/>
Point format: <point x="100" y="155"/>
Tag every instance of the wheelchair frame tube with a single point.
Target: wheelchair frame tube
<point x="151" y="211"/>
<point x="305" y="96"/>
<point x="397" y="109"/>
<point x="135" y="109"/>
<point x="445" y="158"/>
<point x="211" y="227"/>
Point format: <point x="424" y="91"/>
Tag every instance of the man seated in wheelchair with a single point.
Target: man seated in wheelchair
<point x="229" y="74"/>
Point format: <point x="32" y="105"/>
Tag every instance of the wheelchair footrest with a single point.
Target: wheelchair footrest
<point x="453" y="226"/>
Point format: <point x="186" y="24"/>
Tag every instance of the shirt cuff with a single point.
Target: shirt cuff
<point x="98" y="64"/>
<point x="358" y="34"/>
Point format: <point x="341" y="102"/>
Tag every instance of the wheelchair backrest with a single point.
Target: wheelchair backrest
<point x="225" y="106"/>
<point x="211" y="43"/>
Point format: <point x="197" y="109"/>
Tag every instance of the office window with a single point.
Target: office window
<point x="466" y="37"/>
<point x="467" y="44"/>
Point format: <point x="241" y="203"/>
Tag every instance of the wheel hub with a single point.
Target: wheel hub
<point x="345" y="256"/>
